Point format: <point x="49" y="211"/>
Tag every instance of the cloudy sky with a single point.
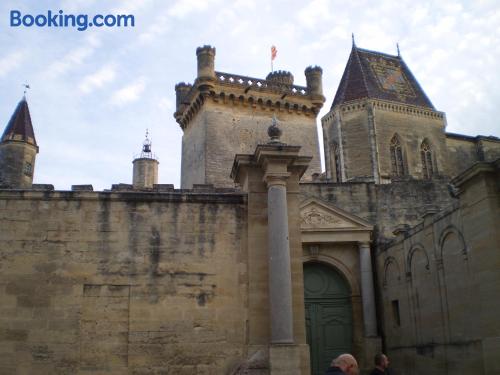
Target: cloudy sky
<point x="94" y="92"/>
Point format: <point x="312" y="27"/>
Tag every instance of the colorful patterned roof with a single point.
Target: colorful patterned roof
<point x="19" y="127"/>
<point x="377" y="75"/>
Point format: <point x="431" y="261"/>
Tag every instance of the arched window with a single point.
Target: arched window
<point x="397" y="162"/>
<point x="427" y="159"/>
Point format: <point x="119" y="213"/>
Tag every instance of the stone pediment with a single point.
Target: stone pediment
<point x="316" y="215"/>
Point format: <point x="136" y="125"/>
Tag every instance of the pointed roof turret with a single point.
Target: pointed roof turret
<point x="370" y="74"/>
<point x="20" y="127"/>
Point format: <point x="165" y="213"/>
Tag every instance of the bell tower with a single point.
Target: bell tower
<point x="18" y="150"/>
<point x="145" y="170"/>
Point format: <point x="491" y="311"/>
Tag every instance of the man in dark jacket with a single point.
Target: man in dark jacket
<point x="381" y="364"/>
<point x="344" y="364"/>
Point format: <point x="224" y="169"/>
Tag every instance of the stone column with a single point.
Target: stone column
<point x="280" y="278"/>
<point x="367" y="292"/>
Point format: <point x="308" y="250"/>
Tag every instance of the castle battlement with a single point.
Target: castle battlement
<point x="275" y="92"/>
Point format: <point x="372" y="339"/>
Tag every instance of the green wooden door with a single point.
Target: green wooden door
<point x="328" y="315"/>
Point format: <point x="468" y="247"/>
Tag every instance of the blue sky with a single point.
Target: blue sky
<point x="94" y="92"/>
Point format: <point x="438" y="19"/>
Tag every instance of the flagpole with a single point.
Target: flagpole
<point x="273" y="56"/>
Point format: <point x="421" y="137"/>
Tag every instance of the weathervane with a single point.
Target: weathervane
<point x="26" y="87"/>
<point x="397" y="46"/>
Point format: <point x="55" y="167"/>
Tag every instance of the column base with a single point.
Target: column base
<point x="371" y="346"/>
<point x="289" y="359"/>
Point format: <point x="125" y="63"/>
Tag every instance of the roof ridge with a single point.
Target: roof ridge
<point x="362" y="72"/>
<point x="380" y="53"/>
<point x="347" y="75"/>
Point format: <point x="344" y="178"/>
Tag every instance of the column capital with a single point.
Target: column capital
<point x="363" y="244"/>
<point x="276" y="179"/>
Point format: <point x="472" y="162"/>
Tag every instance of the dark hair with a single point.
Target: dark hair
<point x="378" y="359"/>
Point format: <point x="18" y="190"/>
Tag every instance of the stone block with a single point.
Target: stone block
<point x="284" y="360"/>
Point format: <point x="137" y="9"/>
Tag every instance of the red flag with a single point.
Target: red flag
<point x="274" y="51"/>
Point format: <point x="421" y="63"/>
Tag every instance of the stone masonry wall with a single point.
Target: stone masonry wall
<point x="354" y="138"/>
<point x="462" y="154"/>
<point x="193" y="161"/>
<point x="229" y="129"/>
<point x="438" y="283"/>
<point x="116" y="283"/>
<point x="412" y="130"/>
<point x="385" y="206"/>
<point x="17" y="164"/>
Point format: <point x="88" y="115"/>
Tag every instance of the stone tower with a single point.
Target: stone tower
<point x="381" y="124"/>
<point x="224" y="114"/>
<point x="18" y="150"/>
<point x="145" y="173"/>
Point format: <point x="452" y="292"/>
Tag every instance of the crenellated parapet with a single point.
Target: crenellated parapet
<point x="275" y="93"/>
<point x="314" y="79"/>
<point x="182" y="92"/>
<point x="206" y="68"/>
<point x="280" y="77"/>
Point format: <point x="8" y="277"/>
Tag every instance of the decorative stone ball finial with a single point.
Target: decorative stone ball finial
<point x="274" y="132"/>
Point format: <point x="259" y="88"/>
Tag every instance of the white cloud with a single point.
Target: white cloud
<point x="314" y="13"/>
<point x="165" y="104"/>
<point x="74" y="57"/>
<point x="184" y="7"/>
<point x="11" y="62"/>
<point x="157" y="28"/>
<point x="129" y="93"/>
<point x="96" y="80"/>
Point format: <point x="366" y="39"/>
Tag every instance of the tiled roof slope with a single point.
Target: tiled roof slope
<point x="19" y="127"/>
<point x="377" y="75"/>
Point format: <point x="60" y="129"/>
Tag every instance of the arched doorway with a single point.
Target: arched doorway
<point x="328" y="315"/>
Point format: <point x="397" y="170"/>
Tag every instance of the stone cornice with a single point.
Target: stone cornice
<point x="178" y="195"/>
<point x="475" y="170"/>
<point x="235" y="90"/>
<point x="384" y="105"/>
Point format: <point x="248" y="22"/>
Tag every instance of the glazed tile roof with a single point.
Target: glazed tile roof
<point x="377" y="75"/>
<point x="19" y="127"/>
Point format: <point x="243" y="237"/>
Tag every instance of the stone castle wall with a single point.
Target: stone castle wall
<point x="122" y="282"/>
<point x="386" y="206"/>
<point x="438" y="284"/>
<point x="17" y="164"/>
<point x="412" y="129"/>
<point x="223" y="130"/>
<point x="464" y="151"/>
<point x="362" y="132"/>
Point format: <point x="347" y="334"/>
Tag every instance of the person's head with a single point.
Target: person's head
<point x="381" y="361"/>
<point x="347" y="363"/>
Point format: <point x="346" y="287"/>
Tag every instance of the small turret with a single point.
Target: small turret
<point x="280" y="77"/>
<point x="18" y="150"/>
<point x="181" y="92"/>
<point x="145" y="171"/>
<point x="314" y="77"/>
<point x="206" y="67"/>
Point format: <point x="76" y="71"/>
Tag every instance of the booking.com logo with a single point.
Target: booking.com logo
<point x="81" y="21"/>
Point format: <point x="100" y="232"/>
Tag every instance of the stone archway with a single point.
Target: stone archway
<point x="329" y="322"/>
<point x="340" y="239"/>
